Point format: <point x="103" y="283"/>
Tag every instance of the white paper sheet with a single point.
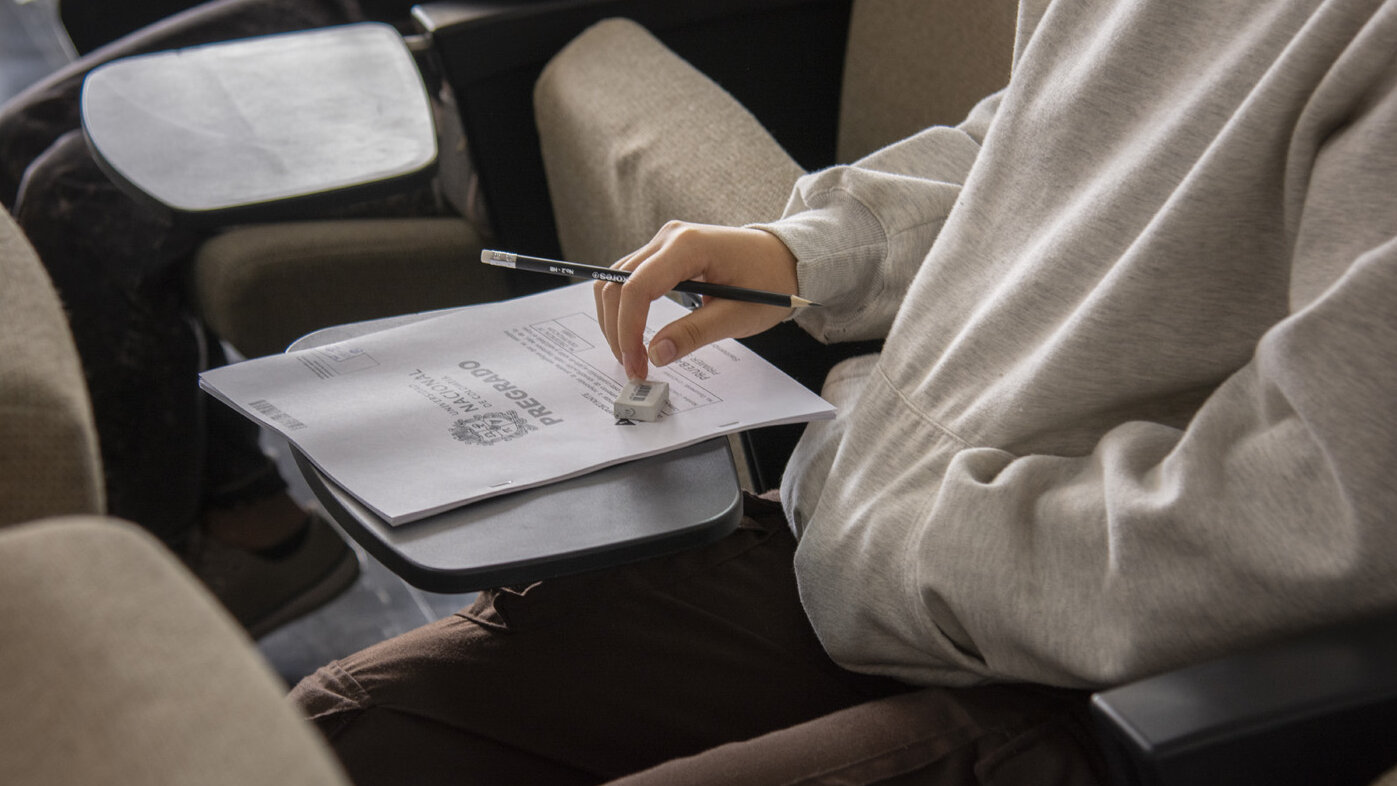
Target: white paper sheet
<point x="494" y="398"/>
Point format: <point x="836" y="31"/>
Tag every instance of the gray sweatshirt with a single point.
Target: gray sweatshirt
<point x="1136" y="403"/>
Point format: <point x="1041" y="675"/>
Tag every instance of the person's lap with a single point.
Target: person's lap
<point x="588" y="678"/>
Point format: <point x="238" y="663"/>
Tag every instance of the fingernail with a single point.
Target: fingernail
<point x="662" y="352"/>
<point x="634" y="369"/>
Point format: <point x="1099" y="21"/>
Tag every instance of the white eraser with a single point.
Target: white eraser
<point x="641" y="400"/>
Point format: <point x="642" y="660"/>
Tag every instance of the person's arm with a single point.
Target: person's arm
<point x="1269" y="512"/>
<point x="851" y="239"/>
<point x="860" y="232"/>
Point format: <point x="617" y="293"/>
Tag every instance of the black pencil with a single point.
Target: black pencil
<point x="575" y="270"/>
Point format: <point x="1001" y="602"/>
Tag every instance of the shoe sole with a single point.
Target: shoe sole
<point x="334" y="582"/>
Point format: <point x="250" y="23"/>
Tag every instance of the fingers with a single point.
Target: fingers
<point x="654" y="274"/>
<point x="608" y="297"/>
<point x="678" y="252"/>
<point x="718" y="319"/>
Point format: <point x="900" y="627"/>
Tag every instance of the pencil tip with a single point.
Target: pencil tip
<point x="800" y="302"/>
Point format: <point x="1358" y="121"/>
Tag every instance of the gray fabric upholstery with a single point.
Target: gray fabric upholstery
<point x="49" y="463"/>
<point x="912" y="64"/>
<point x="261" y="287"/>
<point x="117" y="667"/>
<point x="632" y="136"/>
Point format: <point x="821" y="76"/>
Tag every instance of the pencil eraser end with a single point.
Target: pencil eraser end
<point x="641" y="400"/>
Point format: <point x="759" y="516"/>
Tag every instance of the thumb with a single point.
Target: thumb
<point x="716" y="320"/>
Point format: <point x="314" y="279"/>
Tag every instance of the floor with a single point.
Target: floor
<point x="379" y="605"/>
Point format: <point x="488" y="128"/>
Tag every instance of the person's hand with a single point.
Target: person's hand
<point x="681" y="251"/>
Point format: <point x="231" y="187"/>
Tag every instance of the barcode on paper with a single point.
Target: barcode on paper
<point x="273" y="413"/>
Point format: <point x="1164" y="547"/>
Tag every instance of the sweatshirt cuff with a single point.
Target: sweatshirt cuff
<point x="836" y="241"/>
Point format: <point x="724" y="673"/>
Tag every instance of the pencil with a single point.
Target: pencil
<point x="575" y="270"/>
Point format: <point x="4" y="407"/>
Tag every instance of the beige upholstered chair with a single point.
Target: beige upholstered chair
<point x="633" y="136"/>
<point x="116" y="665"/>
<point x="262" y="286"/>
<point x="49" y="463"/>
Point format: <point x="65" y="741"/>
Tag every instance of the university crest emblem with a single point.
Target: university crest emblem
<point x="491" y="427"/>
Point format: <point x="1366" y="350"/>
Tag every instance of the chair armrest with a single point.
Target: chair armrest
<point x="1316" y="709"/>
<point x="781" y="59"/>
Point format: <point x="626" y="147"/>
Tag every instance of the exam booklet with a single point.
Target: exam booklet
<point x="484" y="400"/>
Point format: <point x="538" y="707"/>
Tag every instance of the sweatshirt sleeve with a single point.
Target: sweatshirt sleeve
<point x="860" y="231"/>
<point x="1269" y="512"/>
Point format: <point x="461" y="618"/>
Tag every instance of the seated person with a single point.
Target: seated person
<point x="191" y="472"/>
<point x="1134" y="410"/>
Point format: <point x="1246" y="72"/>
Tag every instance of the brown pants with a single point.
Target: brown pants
<point x="701" y="665"/>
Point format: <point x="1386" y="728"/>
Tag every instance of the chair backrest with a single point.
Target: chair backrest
<point x="49" y="464"/>
<point x="911" y="64"/>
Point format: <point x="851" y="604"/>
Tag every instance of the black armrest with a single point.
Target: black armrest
<point x="1318" y="709"/>
<point x="93" y="23"/>
<point x="783" y="59"/>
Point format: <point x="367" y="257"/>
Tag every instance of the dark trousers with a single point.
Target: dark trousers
<point x="700" y="664"/>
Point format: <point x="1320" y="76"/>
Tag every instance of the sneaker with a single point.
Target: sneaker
<point x="266" y="591"/>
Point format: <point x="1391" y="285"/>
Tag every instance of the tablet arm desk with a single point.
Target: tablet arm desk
<point x="623" y="513"/>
